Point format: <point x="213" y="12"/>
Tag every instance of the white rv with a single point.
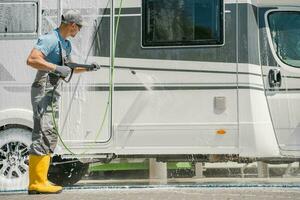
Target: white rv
<point x="189" y="79"/>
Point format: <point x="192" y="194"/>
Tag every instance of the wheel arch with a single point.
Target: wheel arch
<point x="16" y="118"/>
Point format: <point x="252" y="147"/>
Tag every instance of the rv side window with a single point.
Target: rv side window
<point x="18" y="19"/>
<point x="182" y="22"/>
<point x="285" y="32"/>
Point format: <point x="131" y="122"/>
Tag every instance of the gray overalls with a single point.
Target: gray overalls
<point x="43" y="96"/>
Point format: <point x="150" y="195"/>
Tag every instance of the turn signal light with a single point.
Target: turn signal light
<point x="221" y="132"/>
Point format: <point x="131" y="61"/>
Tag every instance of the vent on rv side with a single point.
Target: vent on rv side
<point x="219" y="105"/>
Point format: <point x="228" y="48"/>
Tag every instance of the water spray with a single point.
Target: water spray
<point x="112" y="68"/>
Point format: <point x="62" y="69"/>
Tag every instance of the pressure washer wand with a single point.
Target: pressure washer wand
<point x="91" y="67"/>
<point x="72" y="66"/>
<point x="85" y="66"/>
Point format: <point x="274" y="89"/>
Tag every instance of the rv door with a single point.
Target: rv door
<point x="280" y="58"/>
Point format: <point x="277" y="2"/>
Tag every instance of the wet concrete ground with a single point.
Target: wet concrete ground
<point x="174" y="189"/>
<point x="167" y="194"/>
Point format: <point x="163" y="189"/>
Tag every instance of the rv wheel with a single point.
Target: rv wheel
<point x="66" y="172"/>
<point x="14" y="152"/>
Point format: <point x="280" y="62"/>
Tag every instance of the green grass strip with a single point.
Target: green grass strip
<point x="135" y="166"/>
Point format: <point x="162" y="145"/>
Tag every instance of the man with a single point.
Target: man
<point x="48" y="57"/>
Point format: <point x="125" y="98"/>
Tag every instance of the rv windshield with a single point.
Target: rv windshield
<point x="285" y="32"/>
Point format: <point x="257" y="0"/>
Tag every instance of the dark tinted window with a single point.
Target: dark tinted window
<point x="182" y="22"/>
<point x="285" y="33"/>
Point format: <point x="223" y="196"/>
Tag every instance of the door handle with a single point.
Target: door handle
<point x="274" y="78"/>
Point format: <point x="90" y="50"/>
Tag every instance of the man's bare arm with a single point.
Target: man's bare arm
<point x="77" y="69"/>
<point x="36" y="59"/>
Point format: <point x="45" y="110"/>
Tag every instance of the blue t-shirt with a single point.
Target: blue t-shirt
<point x="48" y="44"/>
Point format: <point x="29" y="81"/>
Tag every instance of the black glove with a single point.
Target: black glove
<point x="62" y="71"/>
<point x="95" y="67"/>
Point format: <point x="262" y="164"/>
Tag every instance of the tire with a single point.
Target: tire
<point x="14" y="153"/>
<point x="68" y="173"/>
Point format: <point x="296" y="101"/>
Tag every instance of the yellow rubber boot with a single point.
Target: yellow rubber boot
<point x="38" y="172"/>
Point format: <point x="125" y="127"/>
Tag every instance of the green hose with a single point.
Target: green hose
<point x="113" y="70"/>
<point x="110" y="90"/>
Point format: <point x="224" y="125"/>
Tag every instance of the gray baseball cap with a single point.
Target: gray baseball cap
<point x="73" y="16"/>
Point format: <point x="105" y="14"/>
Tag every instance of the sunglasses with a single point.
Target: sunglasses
<point x="79" y="26"/>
